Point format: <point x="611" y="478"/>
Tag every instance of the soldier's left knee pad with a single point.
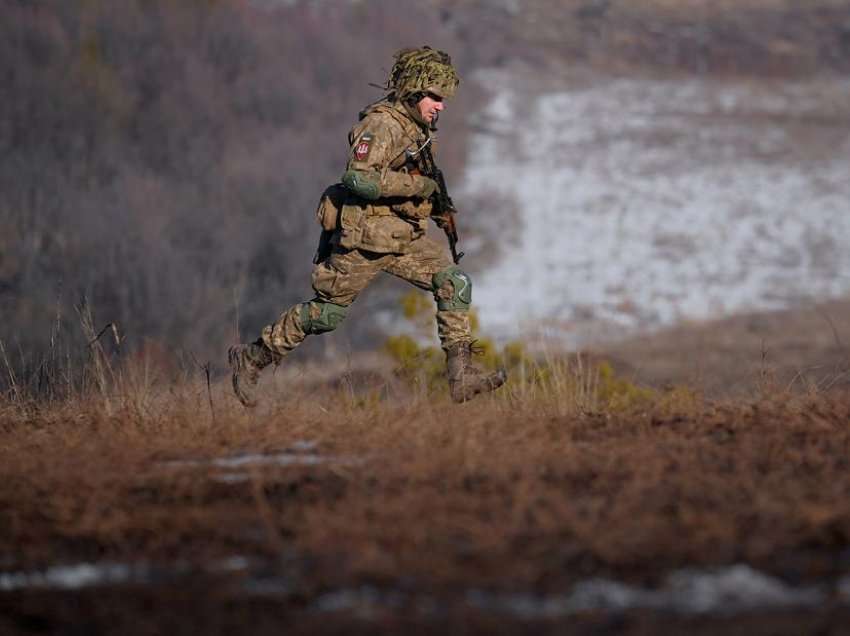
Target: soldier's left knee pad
<point x="456" y="298"/>
<point x="329" y="316"/>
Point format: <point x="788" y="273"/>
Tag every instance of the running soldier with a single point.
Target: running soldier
<point x="375" y="221"/>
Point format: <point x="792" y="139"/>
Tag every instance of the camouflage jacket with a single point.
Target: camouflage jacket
<point x="384" y="152"/>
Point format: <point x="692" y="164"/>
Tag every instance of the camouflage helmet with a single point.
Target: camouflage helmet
<point x="422" y="70"/>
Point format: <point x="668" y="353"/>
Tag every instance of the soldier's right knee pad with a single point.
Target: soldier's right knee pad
<point x="461" y="289"/>
<point x="328" y="317"/>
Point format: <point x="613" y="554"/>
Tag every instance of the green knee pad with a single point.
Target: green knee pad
<point x="330" y="316"/>
<point x="462" y="285"/>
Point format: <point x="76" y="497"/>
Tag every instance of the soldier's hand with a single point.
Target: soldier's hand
<point x="442" y="220"/>
<point x="427" y="188"/>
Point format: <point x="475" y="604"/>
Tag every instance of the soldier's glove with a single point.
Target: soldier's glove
<point x="442" y="220"/>
<point x="427" y="188"/>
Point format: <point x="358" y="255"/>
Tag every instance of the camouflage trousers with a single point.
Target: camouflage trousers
<point x="338" y="280"/>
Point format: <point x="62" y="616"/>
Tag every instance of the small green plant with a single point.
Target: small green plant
<point x="423" y="365"/>
<point x="418" y="365"/>
<point x="619" y="393"/>
<point x="573" y="383"/>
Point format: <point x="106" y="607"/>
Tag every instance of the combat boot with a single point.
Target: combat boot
<point x="246" y="362"/>
<point x="465" y="380"/>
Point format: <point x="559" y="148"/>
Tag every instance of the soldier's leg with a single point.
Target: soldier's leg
<point x="337" y="281"/>
<point x="425" y="261"/>
<point x="428" y="267"/>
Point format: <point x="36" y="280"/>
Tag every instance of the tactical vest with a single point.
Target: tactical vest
<point x="387" y="225"/>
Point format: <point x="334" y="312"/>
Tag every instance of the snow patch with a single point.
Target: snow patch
<point x="301" y="453"/>
<point x="647" y="202"/>
<point x="72" y="577"/>
<point x="84" y="575"/>
<point x="722" y="591"/>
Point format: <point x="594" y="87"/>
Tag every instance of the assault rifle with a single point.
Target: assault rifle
<point x="444" y="210"/>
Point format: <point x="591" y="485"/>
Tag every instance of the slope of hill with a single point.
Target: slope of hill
<point x="643" y="202"/>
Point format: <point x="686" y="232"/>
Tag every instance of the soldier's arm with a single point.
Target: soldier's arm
<point x="368" y="174"/>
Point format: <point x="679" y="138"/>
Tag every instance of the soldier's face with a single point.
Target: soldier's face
<point x="430" y="107"/>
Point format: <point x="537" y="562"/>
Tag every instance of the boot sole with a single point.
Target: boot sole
<point x="498" y="379"/>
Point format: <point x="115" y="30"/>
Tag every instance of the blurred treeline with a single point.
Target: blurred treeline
<point x="163" y="159"/>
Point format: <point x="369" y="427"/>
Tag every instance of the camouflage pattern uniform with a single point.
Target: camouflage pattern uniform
<point x="378" y="224"/>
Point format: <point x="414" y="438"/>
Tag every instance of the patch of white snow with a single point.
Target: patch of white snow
<point x="646" y="202"/>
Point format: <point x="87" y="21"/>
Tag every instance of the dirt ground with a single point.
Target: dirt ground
<point x="192" y="609"/>
<point x="800" y="349"/>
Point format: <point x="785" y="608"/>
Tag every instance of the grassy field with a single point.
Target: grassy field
<point x="363" y="504"/>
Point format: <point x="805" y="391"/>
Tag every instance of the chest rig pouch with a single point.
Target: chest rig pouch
<point x="375" y="228"/>
<point x="330" y="206"/>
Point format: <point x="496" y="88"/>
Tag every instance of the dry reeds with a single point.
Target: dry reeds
<point x="540" y="482"/>
<point x="351" y="476"/>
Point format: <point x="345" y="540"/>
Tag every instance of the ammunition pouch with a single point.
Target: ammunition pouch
<point x="330" y="204"/>
<point x="413" y="209"/>
<point x="376" y="228"/>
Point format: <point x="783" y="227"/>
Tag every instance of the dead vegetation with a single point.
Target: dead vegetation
<point x="567" y="475"/>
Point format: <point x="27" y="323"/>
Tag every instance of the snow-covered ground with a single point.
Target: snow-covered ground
<point x="646" y="202"/>
<point x="722" y="591"/>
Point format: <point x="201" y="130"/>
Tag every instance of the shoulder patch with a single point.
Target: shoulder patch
<point x="361" y="150"/>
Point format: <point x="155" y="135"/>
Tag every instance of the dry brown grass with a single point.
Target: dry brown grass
<point x="531" y="490"/>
